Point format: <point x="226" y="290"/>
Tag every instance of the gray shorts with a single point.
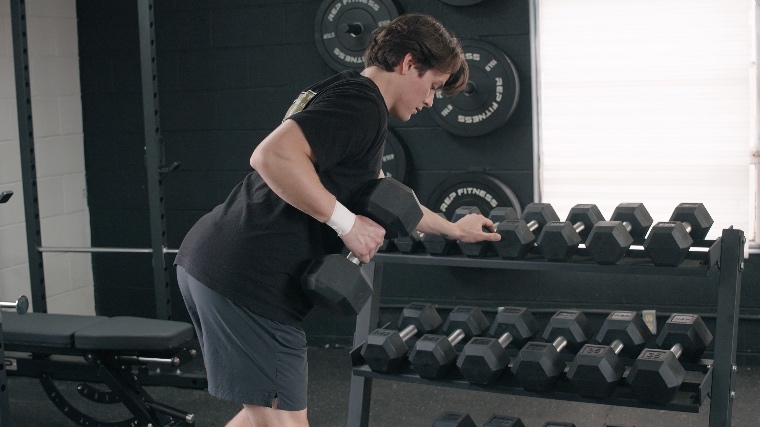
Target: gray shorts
<point x="249" y="359"/>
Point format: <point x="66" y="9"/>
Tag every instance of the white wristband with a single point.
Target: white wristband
<point x="341" y="220"/>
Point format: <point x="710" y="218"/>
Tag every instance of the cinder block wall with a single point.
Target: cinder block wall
<point x="57" y="117"/>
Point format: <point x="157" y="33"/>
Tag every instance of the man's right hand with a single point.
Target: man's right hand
<point x="364" y="239"/>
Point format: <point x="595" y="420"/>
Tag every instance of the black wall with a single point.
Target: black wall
<point x="227" y="72"/>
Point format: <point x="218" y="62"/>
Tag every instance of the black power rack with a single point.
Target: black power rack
<point x="721" y="264"/>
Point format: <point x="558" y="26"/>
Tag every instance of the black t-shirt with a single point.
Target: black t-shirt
<point x="254" y="247"/>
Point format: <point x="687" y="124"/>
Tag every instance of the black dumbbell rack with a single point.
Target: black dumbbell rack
<point x="721" y="264"/>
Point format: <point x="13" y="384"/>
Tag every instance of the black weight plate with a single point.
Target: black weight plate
<point x="395" y="162"/>
<point x="342" y="29"/>
<point x="472" y="189"/>
<point x="489" y="98"/>
<point x="461" y="2"/>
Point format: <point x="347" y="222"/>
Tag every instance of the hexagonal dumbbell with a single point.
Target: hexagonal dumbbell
<point x="453" y="419"/>
<point x="387" y="246"/>
<point x="337" y="283"/>
<point x="460" y="213"/>
<point x="503" y="421"/>
<point x="434" y="355"/>
<point x="668" y="243"/>
<point x="597" y="369"/>
<point x="484" y="360"/>
<point x="409" y="244"/>
<point x="609" y="240"/>
<point x="386" y="349"/>
<point x="657" y="374"/>
<point x="539" y="365"/>
<point x="519" y="236"/>
<point x="559" y="240"/>
<point x="459" y="419"/>
<point x="391" y="204"/>
<point x="497" y="215"/>
<point x="435" y="244"/>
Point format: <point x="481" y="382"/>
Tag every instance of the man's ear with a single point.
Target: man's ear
<point x="407" y="63"/>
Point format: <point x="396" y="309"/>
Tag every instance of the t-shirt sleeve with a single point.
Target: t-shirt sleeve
<point x="339" y="125"/>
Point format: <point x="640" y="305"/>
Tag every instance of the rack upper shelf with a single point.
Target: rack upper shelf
<point x="697" y="265"/>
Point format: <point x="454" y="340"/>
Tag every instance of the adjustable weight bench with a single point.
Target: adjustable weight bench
<point x="98" y="349"/>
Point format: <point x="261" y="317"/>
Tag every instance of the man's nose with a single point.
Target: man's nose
<point x="429" y="99"/>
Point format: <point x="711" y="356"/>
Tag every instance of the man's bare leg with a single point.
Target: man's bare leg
<point x="240" y="420"/>
<point x="261" y="416"/>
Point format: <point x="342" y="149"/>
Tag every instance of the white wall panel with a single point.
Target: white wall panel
<point x="57" y="118"/>
<point x="647" y="101"/>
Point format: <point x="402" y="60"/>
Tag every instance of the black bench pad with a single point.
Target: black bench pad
<point x="122" y="333"/>
<point x="45" y="329"/>
<point x="134" y="334"/>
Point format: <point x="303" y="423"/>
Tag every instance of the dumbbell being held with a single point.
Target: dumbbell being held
<point x="337" y="283"/>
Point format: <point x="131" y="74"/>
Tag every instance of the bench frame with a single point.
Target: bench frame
<point x="120" y="371"/>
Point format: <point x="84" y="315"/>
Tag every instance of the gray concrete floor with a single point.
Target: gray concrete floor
<point x="393" y="404"/>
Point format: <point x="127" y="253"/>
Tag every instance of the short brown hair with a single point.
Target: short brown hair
<point x="429" y="42"/>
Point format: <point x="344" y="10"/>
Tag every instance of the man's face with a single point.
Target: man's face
<point x="416" y="92"/>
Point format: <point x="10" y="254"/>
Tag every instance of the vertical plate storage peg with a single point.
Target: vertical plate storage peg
<point x="489" y="98"/>
<point x="342" y="29"/>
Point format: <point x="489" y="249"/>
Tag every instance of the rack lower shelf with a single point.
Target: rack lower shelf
<point x="689" y="398"/>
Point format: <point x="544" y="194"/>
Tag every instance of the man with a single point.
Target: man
<point x="239" y="267"/>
